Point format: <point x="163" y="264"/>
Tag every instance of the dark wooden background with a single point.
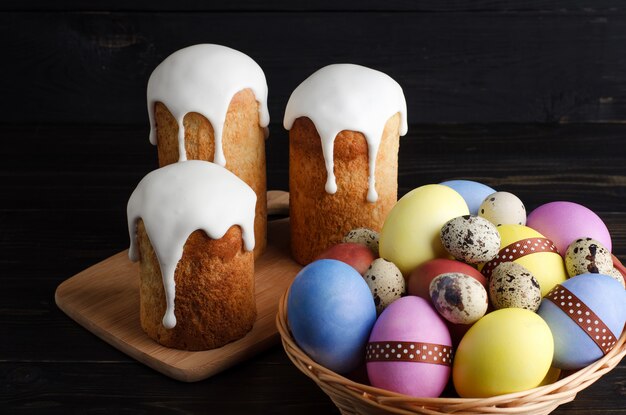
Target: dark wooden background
<point x="526" y="96"/>
<point x="458" y="61"/>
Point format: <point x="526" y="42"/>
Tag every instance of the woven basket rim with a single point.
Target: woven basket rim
<point x="539" y="400"/>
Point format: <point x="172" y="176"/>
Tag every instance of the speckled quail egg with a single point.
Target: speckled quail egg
<point x="365" y="237"/>
<point x="385" y="282"/>
<point x="513" y="286"/>
<point x="587" y="255"/>
<point x="470" y="239"/>
<point x="459" y="298"/>
<point x="614" y="273"/>
<point x="503" y="208"/>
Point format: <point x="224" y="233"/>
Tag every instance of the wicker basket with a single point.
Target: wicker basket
<point x="355" y="398"/>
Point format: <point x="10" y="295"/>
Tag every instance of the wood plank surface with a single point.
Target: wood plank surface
<point x="484" y="66"/>
<point x="477" y="6"/>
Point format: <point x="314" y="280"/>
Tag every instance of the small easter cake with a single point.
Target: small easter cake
<point x="344" y="125"/>
<point x="209" y="102"/>
<point x="191" y="227"/>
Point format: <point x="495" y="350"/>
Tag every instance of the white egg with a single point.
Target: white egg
<point x="503" y="208"/>
<point x="471" y="239"/>
<point x="512" y="285"/>
<point x="459" y="298"/>
<point x="385" y="282"/>
<point x="587" y="255"/>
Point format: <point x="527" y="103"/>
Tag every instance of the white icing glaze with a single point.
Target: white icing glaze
<point x="204" y="78"/>
<point x="348" y="97"/>
<point x="180" y="198"/>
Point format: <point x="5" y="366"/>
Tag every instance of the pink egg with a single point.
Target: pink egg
<point x="564" y="222"/>
<point x="409" y="349"/>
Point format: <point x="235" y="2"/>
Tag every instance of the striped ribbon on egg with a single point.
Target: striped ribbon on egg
<point x="583" y="316"/>
<point x="518" y="250"/>
<point x="403" y="351"/>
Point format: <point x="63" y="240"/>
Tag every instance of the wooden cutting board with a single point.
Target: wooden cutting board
<point x="105" y="300"/>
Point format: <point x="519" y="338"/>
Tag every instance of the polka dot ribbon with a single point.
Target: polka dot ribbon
<point x="584" y="317"/>
<point x="517" y="250"/>
<point x="401" y="351"/>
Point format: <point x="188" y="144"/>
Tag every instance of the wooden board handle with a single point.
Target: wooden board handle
<point x="277" y="202"/>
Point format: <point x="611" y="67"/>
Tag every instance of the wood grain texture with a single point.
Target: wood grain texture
<point x="455" y="67"/>
<point x="84" y="65"/>
<point x="63" y="192"/>
<point x="573" y="162"/>
<point x="546" y="6"/>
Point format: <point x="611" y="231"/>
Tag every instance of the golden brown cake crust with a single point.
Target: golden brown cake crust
<point x="214" y="302"/>
<point x="243" y="142"/>
<point x="319" y="220"/>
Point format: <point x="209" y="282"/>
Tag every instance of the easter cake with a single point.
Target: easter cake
<point x="191" y="226"/>
<point x="209" y="102"/>
<point x="344" y="125"/>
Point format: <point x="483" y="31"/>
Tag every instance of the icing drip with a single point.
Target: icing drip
<point x="180" y="198"/>
<point x="348" y="97"/>
<point x="203" y="79"/>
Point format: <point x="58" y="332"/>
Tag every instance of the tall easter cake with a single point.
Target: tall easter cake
<point x="191" y="227"/>
<point x="344" y="125"/>
<point x="209" y="102"/>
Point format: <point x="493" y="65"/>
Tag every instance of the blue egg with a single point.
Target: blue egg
<point x="573" y="346"/>
<point x="331" y="312"/>
<point x="473" y="192"/>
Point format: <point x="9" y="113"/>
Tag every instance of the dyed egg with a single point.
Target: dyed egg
<point x="473" y="192"/>
<point x="508" y="350"/>
<point x="385" y="282"/>
<point x="364" y="236"/>
<point x="586" y="315"/>
<point x="459" y="298"/>
<point x="419" y="280"/>
<point x="503" y="208"/>
<point x="586" y="255"/>
<point x="512" y="285"/>
<point x="617" y="276"/>
<point x="409" y="349"/>
<point x="470" y="239"/>
<point x="529" y="248"/>
<point x="564" y="222"/>
<point x="410" y="234"/>
<point x="331" y="291"/>
<point x="357" y="256"/>
<point x="552" y="376"/>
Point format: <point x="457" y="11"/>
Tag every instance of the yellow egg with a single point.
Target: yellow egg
<point x="547" y="267"/>
<point x="410" y="234"/>
<point x="552" y="376"/>
<point x="508" y="350"/>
